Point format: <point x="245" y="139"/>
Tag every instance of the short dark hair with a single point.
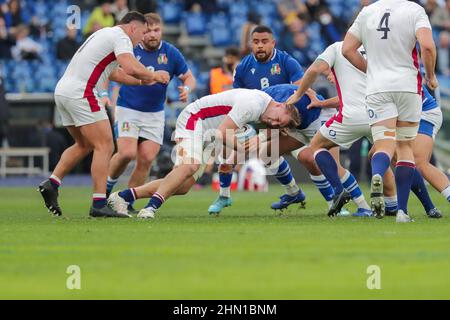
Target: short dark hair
<point x="262" y="29"/>
<point x="133" y="16"/>
<point x="232" y="51"/>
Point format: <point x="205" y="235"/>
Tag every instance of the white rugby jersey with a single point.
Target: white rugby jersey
<point x="93" y="63"/>
<point x="350" y="84"/>
<point x="241" y="105"/>
<point x="387" y="29"/>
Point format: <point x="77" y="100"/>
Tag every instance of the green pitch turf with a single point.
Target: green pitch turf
<point x="247" y="253"/>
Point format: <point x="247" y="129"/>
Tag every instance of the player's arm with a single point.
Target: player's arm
<point x="227" y="130"/>
<point x="351" y="53"/>
<point x="189" y="85"/>
<point x="319" y="66"/>
<point x="119" y="75"/>
<point x="134" y="68"/>
<point x="428" y="54"/>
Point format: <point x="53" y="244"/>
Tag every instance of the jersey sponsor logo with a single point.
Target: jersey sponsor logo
<point x="276" y="69"/>
<point x="151" y="68"/>
<point x="138" y="58"/>
<point x="162" y="59"/>
<point x="253" y="70"/>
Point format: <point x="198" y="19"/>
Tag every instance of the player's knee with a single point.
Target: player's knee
<point x="145" y="160"/>
<point x="127" y="155"/>
<point x="84" y="148"/>
<point x="190" y="170"/>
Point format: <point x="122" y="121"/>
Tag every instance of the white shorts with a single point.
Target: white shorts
<point x="79" y="112"/>
<point x="345" y="134"/>
<point x="431" y="122"/>
<point x="305" y="135"/>
<point x="135" y="124"/>
<point x="326" y="114"/>
<point x="405" y="106"/>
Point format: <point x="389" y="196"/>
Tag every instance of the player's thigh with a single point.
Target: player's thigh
<point x="98" y="134"/>
<point x="381" y="107"/>
<point x="409" y="107"/>
<point x="75" y="133"/>
<point x="147" y="151"/>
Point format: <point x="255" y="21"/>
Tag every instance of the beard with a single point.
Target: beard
<point x="152" y="45"/>
<point x="262" y="56"/>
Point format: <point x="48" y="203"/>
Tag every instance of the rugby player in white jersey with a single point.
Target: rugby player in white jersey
<point x="97" y="60"/>
<point x="349" y="125"/>
<point x="218" y="115"/>
<point x="389" y="31"/>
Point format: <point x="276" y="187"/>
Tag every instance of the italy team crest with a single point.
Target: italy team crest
<point x="126" y="127"/>
<point x="162" y="59"/>
<point x="275" y="69"/>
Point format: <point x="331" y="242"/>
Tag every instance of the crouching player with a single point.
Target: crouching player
<point x="225" y="112"/>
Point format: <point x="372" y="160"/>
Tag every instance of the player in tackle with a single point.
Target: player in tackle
<point x="76" y="97"/>
<point x="218" y="115"/>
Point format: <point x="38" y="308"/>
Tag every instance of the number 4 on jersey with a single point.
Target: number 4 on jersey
<point x="384" y="21"/>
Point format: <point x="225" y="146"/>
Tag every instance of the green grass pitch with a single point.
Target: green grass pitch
<point x="247" y="253"/>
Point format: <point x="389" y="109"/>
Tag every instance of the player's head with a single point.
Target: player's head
<point x="135" y="25"/>
<point x="231" y="58"/>
<point x="281" y="115"/>
<point x="153" y="35"/>
<point x="263" y="43"/>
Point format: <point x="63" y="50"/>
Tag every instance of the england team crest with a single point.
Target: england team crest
<point x="275" y="69"/>
<point x="162" y="59"/>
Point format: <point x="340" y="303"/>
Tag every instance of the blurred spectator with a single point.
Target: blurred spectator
<point x="120" y="9"/>
<point x="293" y="25"/>
<point x="302" y="50"/>
<point x="4" y="114"/>
<point x="221" y="79"/>
<point x="12" y="13"/>
<point x="289" y="9"/>
<point x="53" y="140"/>
<point x="444" y="53"/>
<point x="67" y="46"/>
<point x="362" y="4"/>
<point x="331" y="28"/>
<point x="101" y="17"/>
<point x="7" y="40"/>
<point x="25" y="48"/>
<point x="440" y="16"/>
<point x="208" y="6"/>
<point x="144" y="6"/>
<point x="314" y="7"/>
<point x="253" y="20"/>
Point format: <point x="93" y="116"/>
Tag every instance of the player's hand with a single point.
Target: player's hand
<point x="184" y="93"/>
<point x="331" y="78"/>
<point x="105" y="101"/>
<point x="315" y="103"/>
<point x="161" y="76"/>
<point x="293" y="99"/>
<point x="432" y="82"/>
<point x="251" y="145"/>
